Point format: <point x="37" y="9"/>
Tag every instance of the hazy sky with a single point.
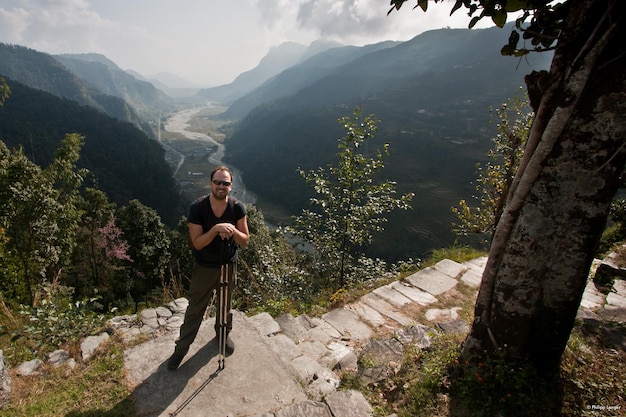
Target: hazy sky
<point x="207" y="42"/>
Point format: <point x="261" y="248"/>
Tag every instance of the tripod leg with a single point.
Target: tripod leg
<point x="222" y="315"/>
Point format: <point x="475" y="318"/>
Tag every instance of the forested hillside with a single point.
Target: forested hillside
<point x="123" y="161"/>
<point x="433" y="95"/>
<point x="101" y="74"/>
<point x="43" y="72"/>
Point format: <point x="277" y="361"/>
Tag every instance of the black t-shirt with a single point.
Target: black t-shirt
<point x="219" y="251"/>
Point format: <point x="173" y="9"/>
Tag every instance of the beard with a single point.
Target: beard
<point x="220" y="195"/>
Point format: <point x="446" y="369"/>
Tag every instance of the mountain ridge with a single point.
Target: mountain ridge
<point x="433" y="95"/>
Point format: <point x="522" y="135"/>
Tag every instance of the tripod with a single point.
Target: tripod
<point x="223" y="306"/>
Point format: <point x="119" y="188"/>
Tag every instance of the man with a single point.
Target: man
<point x="217" y="227"/>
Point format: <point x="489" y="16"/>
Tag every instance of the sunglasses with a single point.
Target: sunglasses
<point x="224" y="183"/>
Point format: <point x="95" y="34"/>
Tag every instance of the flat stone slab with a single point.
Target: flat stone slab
<point x="612" y="313"/>
<point x="477" y="265"/>
<point x="387" y="293"/>
<point x="284" y="347"/>
<point x="592" y="298"/>
<point x="349" y="403"/>
<point x="450" y="268"/>
<point x="265" y="324"/>
<point x="348" y="324"/>
<point x="368" y="314"/>
<point x="420" y="297"/>
<point x="442" y="315"/>
<point x="432" y="281"/>
<point x="386" y="309"/>
<point x="254" y="378"/>
<point x="292" y="327"/>
<point x="472" y="278"/>
<point x="308" y="409"/>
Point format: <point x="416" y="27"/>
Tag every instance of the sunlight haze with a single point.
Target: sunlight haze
<point x="207" y="43"/>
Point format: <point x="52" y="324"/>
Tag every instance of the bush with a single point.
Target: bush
<point x="56" y="320"/>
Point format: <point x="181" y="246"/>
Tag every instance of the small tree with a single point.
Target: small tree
<point x="350" y="206"/>
<point x="149" y="248"/>
<point x="494" y="179"/>
<point x="39" y="217"/>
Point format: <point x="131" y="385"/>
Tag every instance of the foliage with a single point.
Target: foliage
<point x="350" y="205"/>
<point x="57" y="320"/>
<point x="543" y="29"/>
<point x="148" y="247"/>
<point x="178" y="276"/>
<point x="503" y="384"/>
<point x="272" y="274"/>
<point x="4" y="90"/>
<point x="455" y="253"/>
<point x="39" y="217"/>
<point x="495" y="178"/>
<point x="615" y="232"/>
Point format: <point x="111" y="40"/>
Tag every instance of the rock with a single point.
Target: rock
<point x="292" y="328"/>
<point x="178" y="306"/>
<point x="305" y="408"/>
<point x="91" y="343"/>
<point x="381" y="352"/>
<point x="58" y="357"/>
<point x="374" y="374"/>
<point x="416" y="334"/>
<point x="457" y="326"/>
<point x="29" y="368"/>
<point x="5" y="381"/>
<point x="349" y="404"/>
<point x="164" y="312"/>
<point x="432" y="281"/>
<point x="265" y="324"/>
<point x="442" y="315"/>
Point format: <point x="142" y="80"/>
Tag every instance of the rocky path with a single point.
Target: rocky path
<point x="291" y="366"/>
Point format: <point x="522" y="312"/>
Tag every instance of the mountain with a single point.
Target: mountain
<point x="43" y="72"/>
<point x="122" y="160"/>
<point x="101" y="74"/>
<point x="433" y="95"/>
<point x="277" y="60"/>
<point x="293" y="79"/>
<point x="172" y="85"/>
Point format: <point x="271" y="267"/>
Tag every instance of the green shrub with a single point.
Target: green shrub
<point x="57" y="320"/>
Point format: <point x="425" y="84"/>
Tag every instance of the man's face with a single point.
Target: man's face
<point x="219" y="189"/>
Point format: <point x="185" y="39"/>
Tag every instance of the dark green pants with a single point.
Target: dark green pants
<point x="204" y="283"/>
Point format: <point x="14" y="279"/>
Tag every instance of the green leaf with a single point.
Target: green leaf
<point x="499" y="18"/>
<point x="507" y="50"/>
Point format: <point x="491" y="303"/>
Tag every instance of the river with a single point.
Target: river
<point x="178" y="122"/>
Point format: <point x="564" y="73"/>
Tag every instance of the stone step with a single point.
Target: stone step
<point x="309" y="354"/>
<point x="317" y="350"/>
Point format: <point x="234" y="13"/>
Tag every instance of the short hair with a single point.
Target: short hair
<point x="222" y="168"/>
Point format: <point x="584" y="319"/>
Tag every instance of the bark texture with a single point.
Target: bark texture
<point x="558" y="205"/>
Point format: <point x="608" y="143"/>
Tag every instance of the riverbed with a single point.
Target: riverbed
<point x="179" y="123"/>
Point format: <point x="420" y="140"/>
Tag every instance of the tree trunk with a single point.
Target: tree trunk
<point x="558" y="204"/>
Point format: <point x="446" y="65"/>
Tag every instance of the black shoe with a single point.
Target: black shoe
<point x="230" y="346"/>
<point x="174" y="361"/>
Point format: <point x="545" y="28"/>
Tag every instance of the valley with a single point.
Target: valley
<point x="193" y="142"/>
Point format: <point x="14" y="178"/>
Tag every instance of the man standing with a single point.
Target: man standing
<point x="217" y="227"/>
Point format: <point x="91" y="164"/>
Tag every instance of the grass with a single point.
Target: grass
<point x="96" y="388"/>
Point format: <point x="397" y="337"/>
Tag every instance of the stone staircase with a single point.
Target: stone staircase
<point x="317" y="350"/>
<point x="291" y="366"/>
